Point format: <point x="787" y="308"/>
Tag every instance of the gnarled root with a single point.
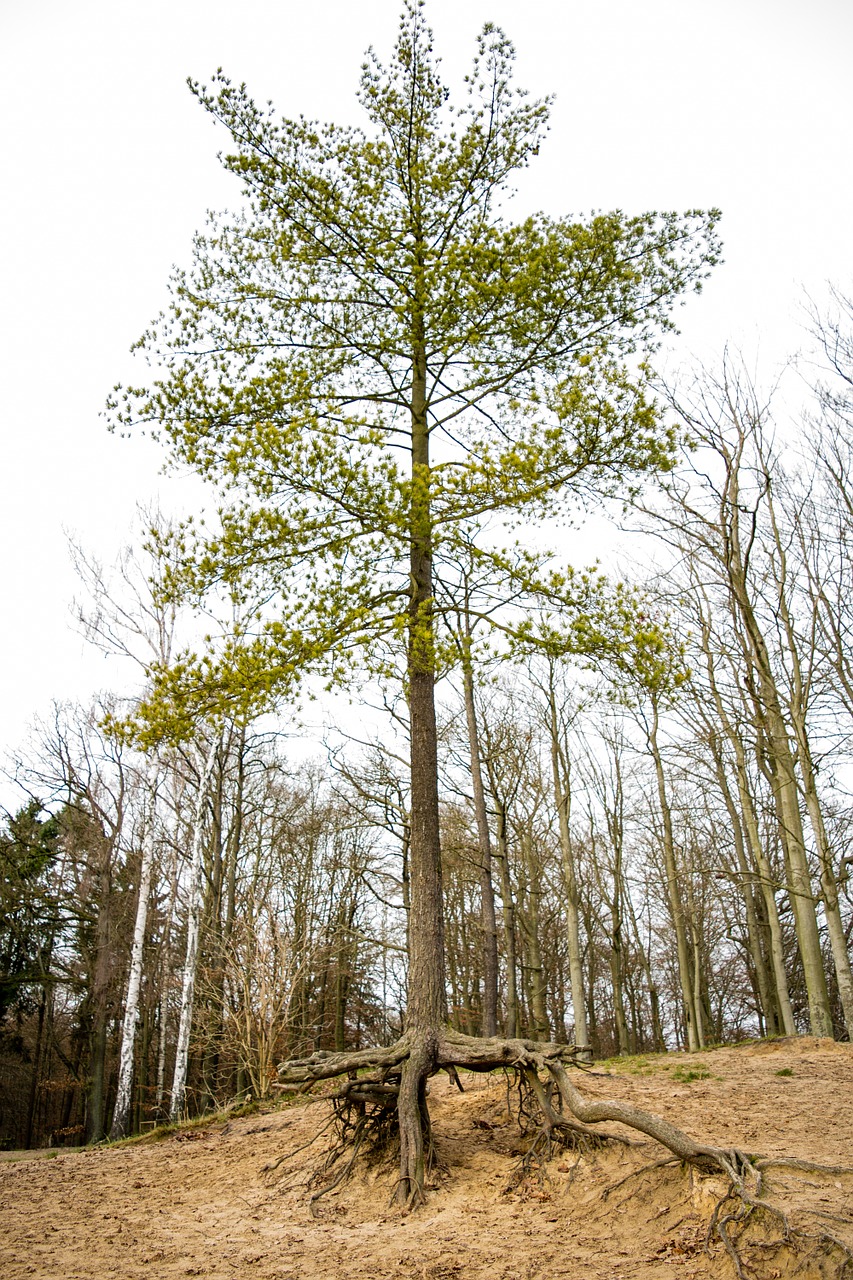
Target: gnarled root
<point x="390" y="1104"/>
<point x="400" y="1073"/>
<point x="416" y="1147"/>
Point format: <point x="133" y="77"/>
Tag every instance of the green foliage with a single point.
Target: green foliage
<point x="28" y="849"/>
<point x="372" y="355"/>
<point x="652" y="1064"/>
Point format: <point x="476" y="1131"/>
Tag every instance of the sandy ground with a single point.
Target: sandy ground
<point x="199" y="1204"/>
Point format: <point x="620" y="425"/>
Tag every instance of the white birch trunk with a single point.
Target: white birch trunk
<point x="124" y="1095"/>
<point x="179" y="1080"/>
<point x="165" y="968"/>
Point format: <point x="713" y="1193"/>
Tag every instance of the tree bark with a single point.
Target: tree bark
<point x="508" y="911"/>
<point x="562" y="800"/>
<point x="535" y="969"/>
<point x="776" y="761"/>
<point x="781" y="1006"/>
<point x="487" y="892"/>
<point x="124" y="1095"/>
<point x="798" y="708"/>
<point x="426" y="1007"/>
<point x="100" y="999"/>
<point x="673" y="890"/>
<point x="179" y="1079"/>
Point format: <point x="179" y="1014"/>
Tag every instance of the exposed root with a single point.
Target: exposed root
<point x="532" y="1166"/>
<point x="826" y="1239"/>
<point x="638" y="1173"/>
<point x="271" y="1165"/>
<point x="806" y="1166"/>
<point x="454" y="1076"/>
<point x="743" y="1205"/>
<point x="343" y="1173"/>
<point x="375" y="1112"/>
<point x="327" y="1066"/>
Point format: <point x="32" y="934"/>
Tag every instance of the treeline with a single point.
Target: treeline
<point x="642" y="850"/>
<point x="259" y="883"/>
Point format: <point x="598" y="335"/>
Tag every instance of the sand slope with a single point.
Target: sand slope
<point x="198" y="1203"/>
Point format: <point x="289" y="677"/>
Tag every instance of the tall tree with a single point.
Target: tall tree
<point x="126" y="613"/>
<point x="723" y="524"/>
<point x="372" y="354"/>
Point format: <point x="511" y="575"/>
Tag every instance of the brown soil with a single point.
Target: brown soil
<point x="198" y="1203"/>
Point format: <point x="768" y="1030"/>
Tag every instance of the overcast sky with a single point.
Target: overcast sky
<point x="109" y="165"/>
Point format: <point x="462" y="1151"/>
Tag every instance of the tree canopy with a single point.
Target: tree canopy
<point x="372" y="346"/>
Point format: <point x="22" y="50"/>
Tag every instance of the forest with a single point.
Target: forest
<point x="655" y="858"/>
<point x="563" y="806"/>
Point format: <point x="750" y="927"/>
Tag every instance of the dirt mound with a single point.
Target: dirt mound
<point x="199" y="1203"/>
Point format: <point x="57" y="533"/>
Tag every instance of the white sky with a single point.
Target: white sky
<point x="109" y="166"/>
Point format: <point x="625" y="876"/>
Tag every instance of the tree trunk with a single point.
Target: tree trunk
<point x="508" y="905"/>
<point x="487" y="892"/>
<point x="34" y="1079"/>
<point x="179" y="1079"/>
<point x="798" y="703"/>
<point x="829" y="889"/>
<point x="764" y="985"/>
<point x="781" y="1006"/>
<point x="102" y="972"/>
<point x="658" y="1042"/>
<point x="767" y="885"/>
<point x="124" y="1094"/>
<point x="616" y="976"/>
<point x="775" y="759"/>
<point x="426" y="1008"/>
<point x="563" y="800"/>
<point x="778" y="767"/>
<point x="673" y="890"/>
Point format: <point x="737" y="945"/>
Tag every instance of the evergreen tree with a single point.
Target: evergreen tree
<point x="373" y="354"/>
<point x="28" y="907"/>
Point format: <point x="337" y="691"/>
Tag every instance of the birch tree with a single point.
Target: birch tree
<point x="194" y="898"/>
<point x="124" y="1090"/>
<point x="126" y="613"/>
<point x="722" y="524"/>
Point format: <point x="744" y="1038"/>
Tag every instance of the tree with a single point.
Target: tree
<point x="725" y="523"/>
<point x="658" y="678"/>
<point x="126" y="614"/>
<point x="29" y="924"/>
<point x="27" y="921"/>
<point x="179" y="1077"/>
<point x="372" y="354"/>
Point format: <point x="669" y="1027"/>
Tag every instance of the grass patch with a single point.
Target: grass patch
<point x="785" y="1071"/>
<point x="654" y="1064"/>
<point x="640" y="1064"/>
<point x="686" y="1075"/>
<point x="209" y="1120"/>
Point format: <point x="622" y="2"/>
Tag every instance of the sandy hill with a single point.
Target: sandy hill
<point x="199" y="1203"/>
